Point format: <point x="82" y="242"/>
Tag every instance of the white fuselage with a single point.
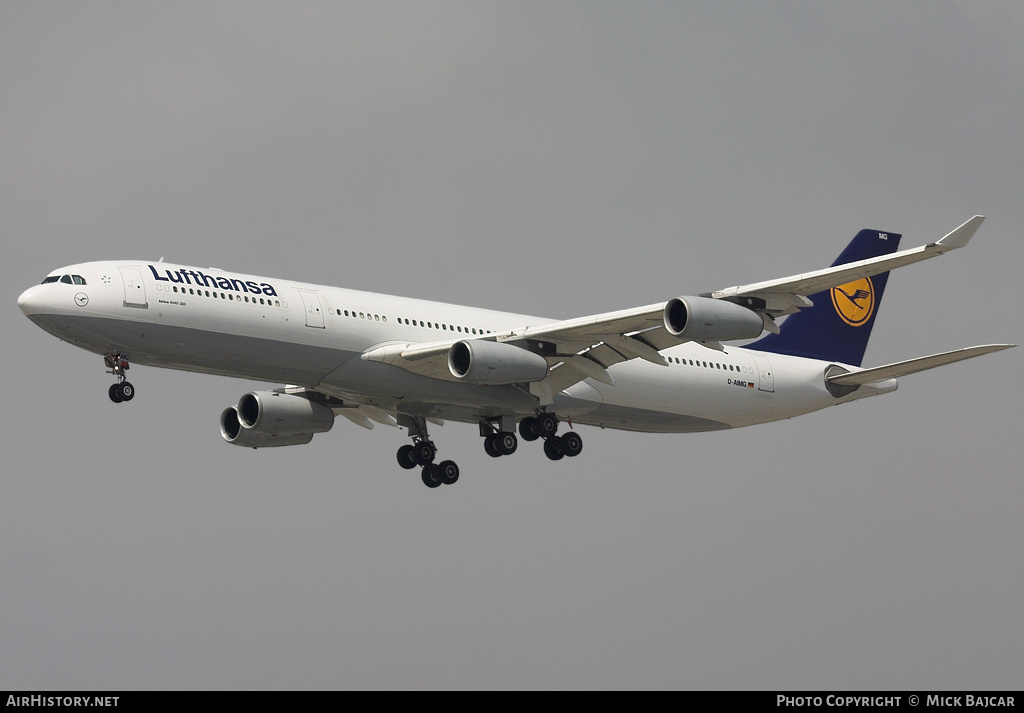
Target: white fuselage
<point x="280" y="331"/>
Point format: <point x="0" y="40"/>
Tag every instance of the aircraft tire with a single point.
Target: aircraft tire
<point x="528" y="429"/>
<point x="430" y="476"/>
<point x="506" y="443"/>
<point x="126" y="391"/>
<point x="425" y="452"/>
<point x="547" y="425"/>
<point x="115" y="393"/>
<point x="572" y="444"/>
<point x="491" y="446"/>
<point x="553" y="448"/>
<point x="447" y="472"/>
<point x="407" y="457"/>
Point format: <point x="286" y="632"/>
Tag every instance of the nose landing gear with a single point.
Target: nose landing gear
<point x="117" y="364"/>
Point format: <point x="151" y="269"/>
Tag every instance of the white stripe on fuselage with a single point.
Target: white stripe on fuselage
<point x="242" y="325"/>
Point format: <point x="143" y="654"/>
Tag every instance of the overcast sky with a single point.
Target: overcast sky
<point x="558" y="159"/>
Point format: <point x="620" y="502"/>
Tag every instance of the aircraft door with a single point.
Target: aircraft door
<point x="314" y="312"/>
<point x="765" y="381"/>
<point x="134" y="287"/>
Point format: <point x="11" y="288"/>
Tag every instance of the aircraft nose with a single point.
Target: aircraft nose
<point x="30" y="301"/>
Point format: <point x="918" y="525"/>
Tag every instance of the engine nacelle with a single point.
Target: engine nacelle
<point x="265" y="419"/>
<point x="703" y="319"/>
<point x="481" y="362"/>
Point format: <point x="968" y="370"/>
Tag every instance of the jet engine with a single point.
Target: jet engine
<point x="703" y="319"/>
<point x="477" y="361"/>
<point x="263" y="419"/>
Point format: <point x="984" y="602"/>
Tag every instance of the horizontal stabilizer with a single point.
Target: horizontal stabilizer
<point x="912" y="366"/>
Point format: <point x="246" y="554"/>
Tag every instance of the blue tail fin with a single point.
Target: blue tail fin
<point x="837" y="327"/>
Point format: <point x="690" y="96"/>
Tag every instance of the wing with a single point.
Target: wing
<point x="784" y="296"/>
<point x="586" y="347"/>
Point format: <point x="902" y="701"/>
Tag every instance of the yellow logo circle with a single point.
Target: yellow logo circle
<point x="855" y="301"/>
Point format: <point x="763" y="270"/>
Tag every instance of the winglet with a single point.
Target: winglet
<point x="960" y="237"/>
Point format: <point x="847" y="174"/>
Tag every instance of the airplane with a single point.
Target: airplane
<point x="375" y="358"/>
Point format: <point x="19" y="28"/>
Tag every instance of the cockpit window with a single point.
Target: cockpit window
<point x="66" y="279"/>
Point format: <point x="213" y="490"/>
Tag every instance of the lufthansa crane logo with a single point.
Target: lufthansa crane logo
<point x="855" y="301"/>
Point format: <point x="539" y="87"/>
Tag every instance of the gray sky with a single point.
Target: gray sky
<point x="548" y="158"/>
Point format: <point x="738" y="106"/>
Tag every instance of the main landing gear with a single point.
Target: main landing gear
<point x="499" y="440"/>
<point x="545" y="425"/>
<point x="422" y="452"/>
<point x="117" y="364"/>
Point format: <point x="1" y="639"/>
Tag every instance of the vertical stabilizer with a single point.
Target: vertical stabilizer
<point x="837" y="327"/>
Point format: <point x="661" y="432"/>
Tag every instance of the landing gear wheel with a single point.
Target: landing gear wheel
<point x="528" y="429"/>
<point x="553" y="448"/>
<point x="572" y="444"/>
<point x="407" y="457"/>
<point x="424" y="453"/>
<point x="118" y="365"/>
<point x="491" y="445"/>
<point x="431" y="477"/>
<point x="122" y="391"/>
<point x="447" y="471"/>
<point x="547" y="424"/>
<point x="506" y="443"/>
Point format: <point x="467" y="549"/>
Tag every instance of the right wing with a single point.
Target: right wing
<point x="788" y="294"/>
<point x="581" y="348"/>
